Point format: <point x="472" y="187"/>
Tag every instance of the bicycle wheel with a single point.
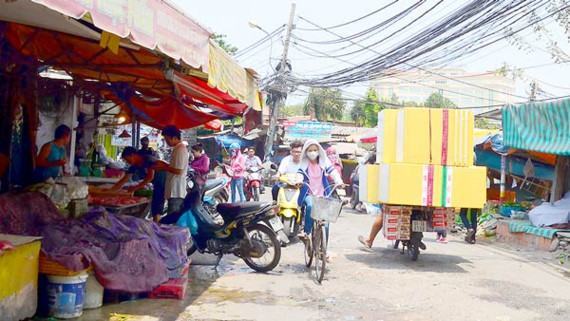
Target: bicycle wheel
<point x="320" y="252"/>
<point x="308" y="252"/>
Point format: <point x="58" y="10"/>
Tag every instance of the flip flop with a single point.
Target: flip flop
<point x="363" y="241"/>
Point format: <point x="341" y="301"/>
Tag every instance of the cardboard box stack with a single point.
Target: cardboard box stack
<point x="425" y="159"/>
<point x="397" y="222"/>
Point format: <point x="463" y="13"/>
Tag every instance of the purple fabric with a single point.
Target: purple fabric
<point x="26" y="213"/>
<point x="127" y="253"/>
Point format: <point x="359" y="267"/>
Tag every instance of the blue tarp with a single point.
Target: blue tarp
<point x="227" y="140"/>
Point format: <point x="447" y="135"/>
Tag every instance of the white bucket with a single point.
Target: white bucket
<point x="93" y="293"/>
<point x="66" y="295"/>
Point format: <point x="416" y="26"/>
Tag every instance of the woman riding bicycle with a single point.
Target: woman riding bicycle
<point x="316" y="168"/>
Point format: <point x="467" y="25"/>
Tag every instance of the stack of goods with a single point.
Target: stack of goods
<point x="397" y="220"/>
<point x="426" y="159"/>
<point x="443" y="218"/>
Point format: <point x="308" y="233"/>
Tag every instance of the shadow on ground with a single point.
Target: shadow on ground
<point x="391" y="259"/>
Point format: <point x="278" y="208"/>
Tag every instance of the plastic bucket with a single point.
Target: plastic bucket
<point x="66" y="295"/>
<point x="93" y="293"/>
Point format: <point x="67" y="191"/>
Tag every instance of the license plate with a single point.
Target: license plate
<point x="276" y="224"/>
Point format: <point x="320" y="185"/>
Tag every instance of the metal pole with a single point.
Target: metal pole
<point x="503" y="177"/>
<point x="71" y="164"/>
<point x="281" y="92"/>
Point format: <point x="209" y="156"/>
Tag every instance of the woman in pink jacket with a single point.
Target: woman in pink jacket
<point x="238" y="172"/>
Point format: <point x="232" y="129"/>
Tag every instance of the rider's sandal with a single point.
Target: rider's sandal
<point x="364" y="242"/>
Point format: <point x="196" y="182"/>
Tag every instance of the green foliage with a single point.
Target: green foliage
<point x="483" y="123"/>
<point x="292" y="110"/>
<point x="372" y="106"/>
<point x="220" y="39"/>
<point x="436" y="100"/>
<point x="325" y="104"/>
<point x="357" y="113"/>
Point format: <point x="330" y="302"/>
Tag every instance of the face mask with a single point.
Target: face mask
<point x="313" y="155"/>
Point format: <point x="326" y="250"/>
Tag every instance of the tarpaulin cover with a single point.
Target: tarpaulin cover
<point x="168" y="111"/>
<point x="85" y="59"/>
<point x="515" y="165"/>
<point x="196" y="88"/>
<point x="227" y="140"/>
<point x="153" y="24"/>
<point x="127" y="253"/>
<point x="542" y="127"/>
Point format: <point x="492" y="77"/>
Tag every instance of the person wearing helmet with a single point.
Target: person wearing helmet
<point x="237" y="164"/>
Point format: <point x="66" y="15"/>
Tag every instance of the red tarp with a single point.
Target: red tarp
<point x="196" y="88"/>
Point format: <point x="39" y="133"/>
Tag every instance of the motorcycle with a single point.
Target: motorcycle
<point x="253" y="183"/>
<point x="355" y="202"/>
<point x="245" y="232"/>
<point x="290" y="212"/>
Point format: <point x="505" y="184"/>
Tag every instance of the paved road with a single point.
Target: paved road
<point x="452" y="281"/>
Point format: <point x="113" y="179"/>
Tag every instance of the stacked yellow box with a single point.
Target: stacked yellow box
<point x="425" y="136"/>
<point x="426" y="159"/>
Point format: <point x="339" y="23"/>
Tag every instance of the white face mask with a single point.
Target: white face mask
<point x="313" y="155"/>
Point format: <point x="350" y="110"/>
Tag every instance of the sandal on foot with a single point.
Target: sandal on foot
<point x="364" y="242"/>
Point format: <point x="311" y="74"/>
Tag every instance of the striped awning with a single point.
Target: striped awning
<point x="542" y="127"/>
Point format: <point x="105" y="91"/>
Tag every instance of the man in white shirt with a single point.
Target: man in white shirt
<point x="175" y="189"/>
<point x="289" y="165"/>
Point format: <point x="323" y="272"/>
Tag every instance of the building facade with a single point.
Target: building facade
<point x="465" y="89"/>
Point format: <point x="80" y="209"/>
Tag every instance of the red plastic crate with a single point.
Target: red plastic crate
<point x="171" y="289"/>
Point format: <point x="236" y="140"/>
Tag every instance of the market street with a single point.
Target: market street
<point x="453" y="281"/>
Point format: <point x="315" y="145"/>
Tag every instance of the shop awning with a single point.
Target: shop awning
<point x="152" y="24"/>
<point x="542" y="127"/>
<point x="158" y="112"/>
<point x="86" y="60"/>
<point x="228" y="76"/>
<point x="194" y="88"/>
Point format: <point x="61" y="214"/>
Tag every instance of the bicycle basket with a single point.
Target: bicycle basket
<point x="326" y="209"/>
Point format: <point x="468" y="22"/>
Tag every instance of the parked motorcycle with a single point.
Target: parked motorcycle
<point x="245" y="233"/>
<point x="253" y="183"/>
<point x="290" y="212"/>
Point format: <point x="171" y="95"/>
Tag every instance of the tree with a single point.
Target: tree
<point x="292" y="110"/>
<point x="371" y="106"/>
<point x="357" y="113"/>
<point x="325" y="104"/>
<point x="436" y="100"/>
<point x="220" y="39"/>
<point x="483" y="123"/>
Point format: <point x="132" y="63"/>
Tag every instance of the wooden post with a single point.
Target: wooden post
<point x="558" y="182"/>
<point x="503" y="177"/>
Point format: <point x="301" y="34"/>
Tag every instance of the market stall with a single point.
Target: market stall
<point x="79" y="69"/>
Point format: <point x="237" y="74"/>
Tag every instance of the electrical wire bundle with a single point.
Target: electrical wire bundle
<point x="462" y="32"/>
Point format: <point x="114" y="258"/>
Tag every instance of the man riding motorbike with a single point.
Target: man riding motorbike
<point x="253" y="167"/>
<point x="289" y="165"/>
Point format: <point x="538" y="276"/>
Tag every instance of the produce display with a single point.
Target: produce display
<point x="116" y="201"/>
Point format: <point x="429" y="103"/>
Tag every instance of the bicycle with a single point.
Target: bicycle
<point x="325" y="210"/>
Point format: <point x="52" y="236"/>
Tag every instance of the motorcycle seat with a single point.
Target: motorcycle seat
<point x="234" y="210"/>
<point x="213" y="183"/>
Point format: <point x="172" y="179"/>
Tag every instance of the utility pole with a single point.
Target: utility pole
<point x="278" y="90"/>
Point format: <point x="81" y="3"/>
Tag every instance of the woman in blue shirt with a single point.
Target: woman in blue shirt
<point x="50" y="162"/>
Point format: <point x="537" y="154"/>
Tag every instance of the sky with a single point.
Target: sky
<point x="231" y="17"/>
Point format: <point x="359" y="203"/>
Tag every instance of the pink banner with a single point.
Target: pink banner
<point x="153" y="24"/>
